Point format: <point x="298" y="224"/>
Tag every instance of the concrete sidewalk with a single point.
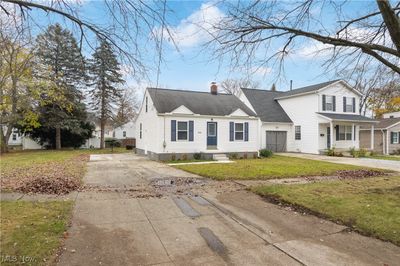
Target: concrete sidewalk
<point x="204" y="228"/>
<point x="366" y="162"/>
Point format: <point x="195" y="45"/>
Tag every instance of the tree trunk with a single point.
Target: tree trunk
<point x="102" y="126"/>
<point x="391" y="20"/>
<point x="4" y="144"/>
<point x="58" y="138"/>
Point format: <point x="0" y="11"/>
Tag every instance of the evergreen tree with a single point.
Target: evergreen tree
<point x="105" y="74"/>
<point x="273" y="87"/>
<point x="61" y="62"/>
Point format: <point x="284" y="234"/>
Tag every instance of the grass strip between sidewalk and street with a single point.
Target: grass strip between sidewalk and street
<point x="32" y="232"/>
<point x="369" y="205"/>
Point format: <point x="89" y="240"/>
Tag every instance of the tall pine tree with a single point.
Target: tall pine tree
<point x="105" y="74"/>
<point x="60" y="61"/>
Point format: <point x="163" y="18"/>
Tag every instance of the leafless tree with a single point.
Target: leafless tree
<point x="233" y="86"/>
<point x="129" y="27"/>
<point x="127" y="107"/>
<point x="275" y="29"/>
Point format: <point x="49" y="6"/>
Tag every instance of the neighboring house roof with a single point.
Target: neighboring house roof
<point x="312" y="88"/>
<point x="265" y="105"/>
<point x="347" y="117"/>
<point x="203" y="103"/>
<point x="387" y="123"/>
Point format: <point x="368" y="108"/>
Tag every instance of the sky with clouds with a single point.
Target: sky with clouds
<point x="192" y="67"/>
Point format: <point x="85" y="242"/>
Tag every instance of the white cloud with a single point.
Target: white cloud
<point x="195" y="29"/>
<point x="314" y="49"/>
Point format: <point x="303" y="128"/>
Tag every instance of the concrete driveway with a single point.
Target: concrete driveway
<point x="138" y="212"/>
<point x="367" y="162"/>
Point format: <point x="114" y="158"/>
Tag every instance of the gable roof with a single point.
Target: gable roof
<point x="314" y="88"/>
<point x="265" y="105"/>
<point x="202" y="103"/>
<point x="387" y="123"/>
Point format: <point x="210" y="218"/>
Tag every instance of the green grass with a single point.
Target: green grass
<point x="32" y="230"/>
<point x="371" y="205"/>
<point x="268" y="168"/>
<point x="385" y="157"/>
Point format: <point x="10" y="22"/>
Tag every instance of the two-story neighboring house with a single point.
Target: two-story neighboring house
<point x="311" y="119"/>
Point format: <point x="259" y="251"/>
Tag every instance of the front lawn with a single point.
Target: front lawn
<point x="32" y="231"/>
<point x="370" y="205"/>
<point x="21" y="170"/>
<point x="273" y="167"/>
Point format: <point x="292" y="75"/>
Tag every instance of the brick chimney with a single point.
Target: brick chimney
<point x="214" y="88"/>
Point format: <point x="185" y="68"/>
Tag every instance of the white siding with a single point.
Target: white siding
<point x="152" y="128"/>
<point x="199" y="144"/>
<point x="129" y="128"/>
<point x="302" y="111"/>
<point x="393" y="114"/>
<point x="340" y="91"/>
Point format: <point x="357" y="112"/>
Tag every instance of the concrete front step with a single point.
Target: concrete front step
<point x="220" y="157"/>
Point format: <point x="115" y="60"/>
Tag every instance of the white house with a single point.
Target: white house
<point x="312" y="119"/>
<point x="18" y="140"/>
<point x="175" y="124"/>
<point x="125" y="131"/>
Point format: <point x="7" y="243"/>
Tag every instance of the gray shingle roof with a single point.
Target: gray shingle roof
<point x="203" y="103"/>
<point x="268" y="109"/>
<point x="307" y="89"/>
<point x="387" y="122"/>
<point x="347" y="117"/>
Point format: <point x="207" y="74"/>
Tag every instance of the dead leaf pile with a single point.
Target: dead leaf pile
<point x="51" y="177"/>
<point x="356" y="174"/>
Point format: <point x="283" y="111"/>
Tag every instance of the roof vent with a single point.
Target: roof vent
<point x="214" y="88"/>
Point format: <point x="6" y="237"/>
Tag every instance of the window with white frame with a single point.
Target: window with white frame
<point x="297" y="132"/>
<point x="349" y="104"/>
<point x="345" y="133"/>
<point x="14" y="137"/>
<point x="140" y="130"/>
<point x="147" y="103"/>
<point x="182" y="132"/>
<point x="239" y="131"/>
<point x="329" y="103"/>
<point x="124" y="134"/>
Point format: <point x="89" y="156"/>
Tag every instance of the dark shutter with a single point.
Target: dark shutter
<point x="173" y="130"/>
<point x="391" y="137"/>
<point x="354" y="104"/>
<point x="324" y="102"/>
<point x="337" y="132"/>
<point x="246" y="131"/>
<point x="344" y="104"/>
<point x="231" y="131"/>
<point x="191" y="135"/>
<point x="334" y="103"/>
<point x="354" y="133"/>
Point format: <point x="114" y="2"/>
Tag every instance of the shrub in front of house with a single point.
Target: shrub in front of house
<point x="233" y="156"/>
<point x="197" y="156"/>
<point x="333" y="152"/>
<point x="266" y="153"/>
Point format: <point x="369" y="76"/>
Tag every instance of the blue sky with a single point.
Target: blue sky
<point x="192" y="68"/>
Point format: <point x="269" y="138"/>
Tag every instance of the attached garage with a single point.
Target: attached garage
<point x="276" y="141"/>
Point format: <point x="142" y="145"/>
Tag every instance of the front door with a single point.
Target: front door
<point x="212" y="135"/>
<point x="328" y="137"/>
